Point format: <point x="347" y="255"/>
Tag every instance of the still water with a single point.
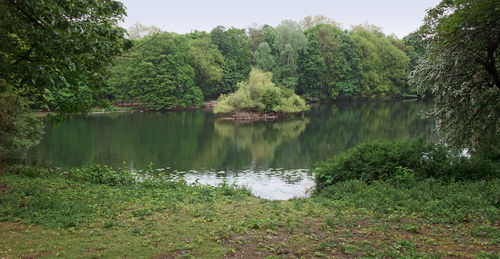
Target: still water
<point x="272" y="159"/>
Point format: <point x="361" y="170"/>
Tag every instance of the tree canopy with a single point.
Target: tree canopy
<point x="461" y="69"/>
<point x="59" y="52"/>
<point x="55" y="55"/>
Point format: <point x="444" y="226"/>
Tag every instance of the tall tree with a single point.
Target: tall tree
<point x="159" y="74"/>
<point x="234" y="45"/>
<point x="257" y="35"/>
<point x="289" y="40"/>
<point x="311" y="69"/>
<point x="461" y="69"/>
<point x="384" y="67"/>
<point x="208" y="62"/>
<point x="264" y="58"/>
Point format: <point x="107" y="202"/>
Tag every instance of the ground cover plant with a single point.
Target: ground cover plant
<point x="104" y="212"/>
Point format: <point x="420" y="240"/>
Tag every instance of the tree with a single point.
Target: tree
<point x="309" y="21"/>
<point x="48" y="46"/>
<point x="19" y="128"/>
<point x="311" y="69"/>
<point x="384" y="67"/>
<point x="257" y="35"/>
<point x="56" y="54"/>
<point x="415" y="50"/>
<point x="289" y="41"/>
<point x="461" y="69"/>
<point x="263" y="57"/>
<point x="234" y="45"/>
<point x="342" y="71"/>
<point x="139" y="31"/>
<point x="159" y="74"/>
<point x="207" y="61"/>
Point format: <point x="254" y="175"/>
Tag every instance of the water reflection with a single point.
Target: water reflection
<point x="264" y="155"/>
<point x="262" y="138"/>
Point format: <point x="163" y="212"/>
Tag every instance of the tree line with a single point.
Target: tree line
<point x="315" y="58"/>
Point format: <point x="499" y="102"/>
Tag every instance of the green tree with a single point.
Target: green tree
<point x="263" y="57"/>
<point x="461" y="69"/>
<point x="19" y="127"/>
<point x="415" y="50"/>
<point x="311" y="69"/>
<point x="289" y="40"/>
<point x="56" y="54"/>
<point x="208" y="63"/>
<point x="55" y="45"/>
<point x="342" y="63"/>
<point x="234" y="45"/>
<point x="384" y="67"/>
<point x="257" y="35"/>
<point x="160" y="75"/>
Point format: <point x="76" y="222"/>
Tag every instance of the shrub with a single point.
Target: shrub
<point x="384" y="160"/>
<point x="259" y="94"/>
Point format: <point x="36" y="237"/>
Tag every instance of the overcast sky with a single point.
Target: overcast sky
<point x="394" y="16"/>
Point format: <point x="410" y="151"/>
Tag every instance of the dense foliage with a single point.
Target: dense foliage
<point x="55" y="55"/>
<point x="374" y="161"/>
<point x="259" y="94"/>
<point x="314" y="58"/>
<point x="461" y="69"/>
<point x="56" y="52"/>
<point x="159" y="74"/>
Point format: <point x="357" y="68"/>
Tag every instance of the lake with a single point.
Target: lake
<point x="272" y="159"/>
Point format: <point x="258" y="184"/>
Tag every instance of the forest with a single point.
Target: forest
<point x="315" y="58"/>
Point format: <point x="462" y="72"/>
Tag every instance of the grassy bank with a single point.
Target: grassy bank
<point x="99" y="212"/>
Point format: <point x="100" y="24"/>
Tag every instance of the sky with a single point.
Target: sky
<point x="181" y="16"/>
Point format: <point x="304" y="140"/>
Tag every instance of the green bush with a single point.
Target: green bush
<point x="259" y="94"/>
<point x="384" y="160"/>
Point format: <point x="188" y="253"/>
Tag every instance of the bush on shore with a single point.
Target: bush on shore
<point x="391" y="160"/>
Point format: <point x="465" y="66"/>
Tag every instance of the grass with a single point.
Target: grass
<point x="83" y="214"/>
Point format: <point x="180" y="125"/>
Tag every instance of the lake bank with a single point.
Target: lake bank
<point x="80" y="213"/>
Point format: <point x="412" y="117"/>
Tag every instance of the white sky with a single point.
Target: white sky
<point x="394" y="16"/>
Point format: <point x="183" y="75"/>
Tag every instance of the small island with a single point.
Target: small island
<point x="259" y="98"/>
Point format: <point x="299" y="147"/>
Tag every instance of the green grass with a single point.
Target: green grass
<point x="99" y="212"/>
